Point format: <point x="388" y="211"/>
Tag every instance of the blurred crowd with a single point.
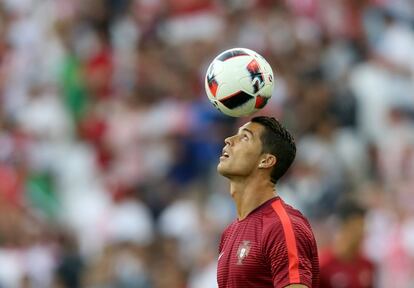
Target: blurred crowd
<point x="109" y="146"/>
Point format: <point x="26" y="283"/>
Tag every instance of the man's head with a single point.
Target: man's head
<point x="276" y="140"/>
<point x="262" y="143"/>
<point x="350" y="234"/>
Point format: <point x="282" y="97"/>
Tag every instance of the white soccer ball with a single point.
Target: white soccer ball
<point x="239" y="82"/>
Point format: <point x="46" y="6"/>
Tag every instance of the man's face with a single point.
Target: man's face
<point x="241" y="154"/>
<point x="353" y="231"/>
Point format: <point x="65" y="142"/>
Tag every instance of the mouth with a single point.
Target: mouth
<point x="224" y="156"/>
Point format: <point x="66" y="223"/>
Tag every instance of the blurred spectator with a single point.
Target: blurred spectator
<point x="343" y="264"/>
<point x="68" y="271"/>
<point x="120" y="265"/>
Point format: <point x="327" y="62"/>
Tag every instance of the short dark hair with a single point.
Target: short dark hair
<point x="348" y="208"/>
<point x="277" y="141"/>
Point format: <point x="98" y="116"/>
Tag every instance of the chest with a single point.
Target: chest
<point x="241" y="259"/>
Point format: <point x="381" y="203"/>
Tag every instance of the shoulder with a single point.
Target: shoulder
<point x="228" y="229"/>
<point x="285" y="223"/>
<point x="289" y="246"/>
<point x="281" y="217"/>
<point x="225" y="234"/>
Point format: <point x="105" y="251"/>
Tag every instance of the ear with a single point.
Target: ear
<point x="267" y="161"/>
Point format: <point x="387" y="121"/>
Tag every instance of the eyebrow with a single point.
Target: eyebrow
<point x="247" y="130"/>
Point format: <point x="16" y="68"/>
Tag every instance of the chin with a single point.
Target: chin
<point x="222" y="170"/>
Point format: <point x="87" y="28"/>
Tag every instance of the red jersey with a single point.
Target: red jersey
<point x="272" y="247"/>
<point x="358" y="273"/>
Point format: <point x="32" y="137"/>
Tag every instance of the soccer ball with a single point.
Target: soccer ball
<point x="239" y="82"/>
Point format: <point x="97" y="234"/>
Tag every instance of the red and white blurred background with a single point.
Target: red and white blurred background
<point x="108" y="145"/>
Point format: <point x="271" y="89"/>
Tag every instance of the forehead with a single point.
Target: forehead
<point x="255" y="128"/>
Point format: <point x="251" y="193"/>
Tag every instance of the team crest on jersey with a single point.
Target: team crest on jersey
<point x="243" y="251"/>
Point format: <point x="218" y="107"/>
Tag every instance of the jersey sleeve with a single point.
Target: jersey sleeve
<point x="289" y="252"/>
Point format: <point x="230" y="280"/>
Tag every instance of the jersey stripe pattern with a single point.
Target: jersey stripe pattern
<point x="290" y="242"/>
<point x="272" y="247"/>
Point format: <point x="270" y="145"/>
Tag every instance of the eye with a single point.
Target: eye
<point x="245" y="137"/>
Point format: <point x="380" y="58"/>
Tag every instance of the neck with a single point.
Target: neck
<point x="248" y="195"/>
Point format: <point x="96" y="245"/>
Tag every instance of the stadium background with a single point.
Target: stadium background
<point x="108" y="146"/>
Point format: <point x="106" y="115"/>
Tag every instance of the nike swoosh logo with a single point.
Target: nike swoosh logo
<point x="221" y="254"/>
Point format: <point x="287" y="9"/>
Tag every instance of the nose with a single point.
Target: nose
<point x="228" y="140"/>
